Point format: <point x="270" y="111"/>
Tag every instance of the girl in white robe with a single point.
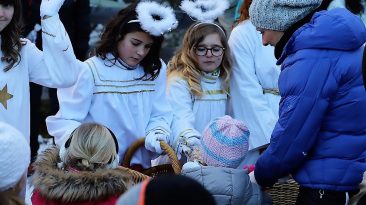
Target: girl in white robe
<point x="253" y="86"/>
<point x="198" y="77"/>
<point x="122" y="87"/>
<point x="21" y="62"/>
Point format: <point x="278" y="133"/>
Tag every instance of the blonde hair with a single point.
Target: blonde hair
<point x="92" y="146"/>
<point x="12" y="195"/>
<point x="184" y="63"/>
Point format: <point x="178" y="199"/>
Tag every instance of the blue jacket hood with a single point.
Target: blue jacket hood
<point x="337" y="29"/>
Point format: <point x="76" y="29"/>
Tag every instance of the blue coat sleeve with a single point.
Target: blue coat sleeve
<point x="305" y="86"/>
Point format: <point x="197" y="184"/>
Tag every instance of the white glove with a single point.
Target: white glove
<point x="50" y="7"/>
<point x="188" y="142"/>
<point x="153" y="138"/>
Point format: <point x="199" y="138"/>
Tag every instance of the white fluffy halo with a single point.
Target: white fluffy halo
<point x="147" y="10"/>
<point x="205" y="10"/>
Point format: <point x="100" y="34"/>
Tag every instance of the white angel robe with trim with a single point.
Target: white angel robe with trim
<point x="254" y="69"/>
<point x="43" y="68"/>
<point x="110" y="95"/>
<point x="191" y="113"/>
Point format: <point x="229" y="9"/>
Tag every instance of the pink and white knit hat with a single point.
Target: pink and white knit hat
<point x="225" y="142"/>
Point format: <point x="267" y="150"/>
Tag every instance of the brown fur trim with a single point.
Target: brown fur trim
<point x="57" y="184"/>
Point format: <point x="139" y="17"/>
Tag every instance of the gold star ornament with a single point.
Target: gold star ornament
<point x="5" y="96"/>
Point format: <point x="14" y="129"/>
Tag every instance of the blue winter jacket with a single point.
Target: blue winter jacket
<point x="320" y="136"/>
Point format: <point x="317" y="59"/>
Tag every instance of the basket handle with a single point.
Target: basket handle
<point x="140" y="143"/>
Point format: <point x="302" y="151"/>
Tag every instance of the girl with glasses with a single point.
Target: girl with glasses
<point x="198" y="78"/>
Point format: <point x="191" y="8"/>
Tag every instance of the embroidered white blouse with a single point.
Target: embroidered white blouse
<point x="109" y="94"/>
<point x="34" y="66"/>
<point x="191" y="113"/>
<point x="254" y="75"/>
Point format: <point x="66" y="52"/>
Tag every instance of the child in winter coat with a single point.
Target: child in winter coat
<point x="86" y="173"/>
<point x="224" y="145"/>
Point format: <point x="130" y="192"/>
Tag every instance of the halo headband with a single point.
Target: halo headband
<point x="155" y="18"/>
<point x="204" y="10"/>
<point x="198" y="24"/>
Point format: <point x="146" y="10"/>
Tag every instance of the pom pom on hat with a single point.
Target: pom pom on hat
<point x="225" y="142"/>
<point x="14" y="158"/>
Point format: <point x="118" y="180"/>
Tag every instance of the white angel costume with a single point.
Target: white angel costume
<point x="44" y="68"/>
<point x="109" y="93"/>
<point x="192" y="113"/>
<point x="254" y="83"/>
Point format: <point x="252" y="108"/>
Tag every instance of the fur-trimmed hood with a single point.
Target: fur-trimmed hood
<point x="57" y="184"/>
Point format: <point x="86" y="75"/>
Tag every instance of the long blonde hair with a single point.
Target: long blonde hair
<point x="184" y="63"/>
<point x="92" y="146"/>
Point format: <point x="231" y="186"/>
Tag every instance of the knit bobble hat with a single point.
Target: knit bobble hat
<point x="14" y="157"/>
<point x="279" y="15"/>
<point x="225" y="142"/>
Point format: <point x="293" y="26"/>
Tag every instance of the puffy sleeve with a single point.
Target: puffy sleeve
<point x="74" y="104"/>
<point x="307" y="85"/>
<point x="181" y="101"/>
<point x="161" y="114"/>
<point x="56" y="66"/>
<point x="248" y="101"/>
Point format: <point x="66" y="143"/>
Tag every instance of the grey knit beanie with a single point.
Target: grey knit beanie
<point x="279" y="15"/>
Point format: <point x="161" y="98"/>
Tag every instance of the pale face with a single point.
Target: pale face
<point x="270" y="37"/>
<point x="6" y="14"/>
<point x="210" y="62"/>
<point x="133" y="48"/>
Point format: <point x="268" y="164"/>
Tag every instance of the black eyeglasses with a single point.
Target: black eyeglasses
<point x="215" y="51"/>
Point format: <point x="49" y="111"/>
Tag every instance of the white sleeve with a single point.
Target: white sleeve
<point x="248" y="101"/>
<point x="74" y="104"/>
<point x="57" y="66"/>
<point x="161" y="114"/>
<point x="181" y="101"/>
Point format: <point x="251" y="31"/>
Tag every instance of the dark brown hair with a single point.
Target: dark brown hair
<point x="117" y="29"/>
<point x="10" y="35"/>
<point x="355" y="6"/>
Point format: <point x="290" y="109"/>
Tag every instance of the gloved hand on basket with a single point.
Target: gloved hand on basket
<point x="153" y="138"/>
<point x="50" y="7"/>
<point x="187" y="142"/>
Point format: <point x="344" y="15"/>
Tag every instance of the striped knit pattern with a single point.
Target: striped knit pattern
<point x="225" y="142"/>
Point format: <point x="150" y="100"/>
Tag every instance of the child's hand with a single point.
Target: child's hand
<point x="187" y="143"/>
<point x="152" y="140"/>
<point x="50" y="7"/>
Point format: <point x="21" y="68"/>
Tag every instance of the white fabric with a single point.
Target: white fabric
<point x="110" y="95"/>
<point x="14" y="157"/>
<point x="153" y="138"/>
<point x="254" y="69"/>
<point x="42" y="68"/>
<point x="50" y="7"/>
<point x="342" y="4"/>
<point x="191" y="113"/>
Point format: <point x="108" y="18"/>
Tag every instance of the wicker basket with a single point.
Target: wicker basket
<point x="284" y="193"/>
<point x="137" y="177"/>
<point x="174" y="167"/>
